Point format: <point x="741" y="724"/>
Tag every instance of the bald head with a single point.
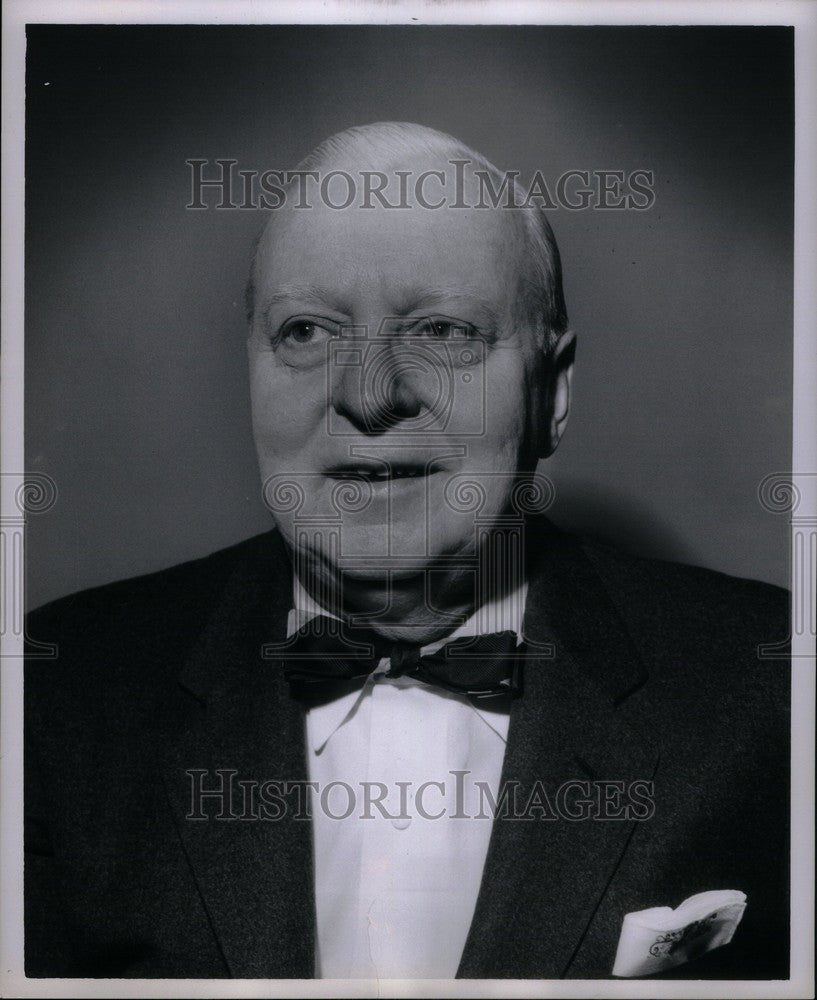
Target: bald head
<point x="401" y="166"/>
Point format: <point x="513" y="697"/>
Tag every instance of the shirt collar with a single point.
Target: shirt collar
<point x="503" y="614"/>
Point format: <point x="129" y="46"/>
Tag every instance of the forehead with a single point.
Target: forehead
<point x="386" y="257"/>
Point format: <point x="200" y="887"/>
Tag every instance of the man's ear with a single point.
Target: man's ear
<point x="559" y="379"/>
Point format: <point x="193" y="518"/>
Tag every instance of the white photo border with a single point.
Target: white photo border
<point x="801" y="15"/>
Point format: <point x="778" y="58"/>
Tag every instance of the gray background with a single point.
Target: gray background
<point x="136" y="390"/>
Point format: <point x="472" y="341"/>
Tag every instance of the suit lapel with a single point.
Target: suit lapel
<point x="254" y="875"/>
<point x="544" y="879"/>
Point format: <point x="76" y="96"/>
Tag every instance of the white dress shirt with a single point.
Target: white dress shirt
<point x="395" y="893"/>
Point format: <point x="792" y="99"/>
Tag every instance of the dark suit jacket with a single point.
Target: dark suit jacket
<point x="655" y="676"/>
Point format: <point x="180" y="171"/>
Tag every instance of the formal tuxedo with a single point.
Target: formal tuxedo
<point x="648" y="671"/>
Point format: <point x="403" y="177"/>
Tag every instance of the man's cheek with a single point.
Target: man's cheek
<point x="498" y="448"/>
<point x="287" y="421"/>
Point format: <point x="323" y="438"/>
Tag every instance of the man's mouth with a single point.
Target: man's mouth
<point x="382" y="471"/>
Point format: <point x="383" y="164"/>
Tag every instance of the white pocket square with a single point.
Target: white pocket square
<point x="660" y="938"/>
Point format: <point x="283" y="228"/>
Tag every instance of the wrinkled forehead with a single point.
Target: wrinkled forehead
<point x="376" y="253"/>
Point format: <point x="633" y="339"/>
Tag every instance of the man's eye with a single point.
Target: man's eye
<point x="439" y="328"/>
<point x="304" y="333"/>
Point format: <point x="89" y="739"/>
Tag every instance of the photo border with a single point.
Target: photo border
<point x="803" y="16"/>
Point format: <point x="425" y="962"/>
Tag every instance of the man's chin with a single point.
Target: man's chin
<point x="400" y="604"/>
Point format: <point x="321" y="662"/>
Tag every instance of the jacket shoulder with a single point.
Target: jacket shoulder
<point x="186" y="586"/>
<point x="708" y="600"/>
<point x="706" y="638"/>
<point x="131" y="635"/>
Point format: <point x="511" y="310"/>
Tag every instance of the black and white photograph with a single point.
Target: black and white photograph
<point x="409" y="500"/>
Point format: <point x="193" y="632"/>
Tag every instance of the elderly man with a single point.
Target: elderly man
<point x="415" y="730"/>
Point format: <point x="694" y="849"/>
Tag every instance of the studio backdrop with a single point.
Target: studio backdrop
<point x="136" y="389"/>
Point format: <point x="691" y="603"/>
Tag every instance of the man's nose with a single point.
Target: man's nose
<point x="375" y="387"/>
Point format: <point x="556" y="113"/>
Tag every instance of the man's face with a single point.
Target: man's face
<point x="392" y="365"/>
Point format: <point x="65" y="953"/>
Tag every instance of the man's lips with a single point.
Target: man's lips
<point x="385" y="470"/>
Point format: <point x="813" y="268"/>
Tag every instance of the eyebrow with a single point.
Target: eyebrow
<point x="305" y="293"/>
<point x="426" y="298"/>
<point x="409" y="301"/>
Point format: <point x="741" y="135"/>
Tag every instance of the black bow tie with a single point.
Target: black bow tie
<point x="326" y="658"/>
